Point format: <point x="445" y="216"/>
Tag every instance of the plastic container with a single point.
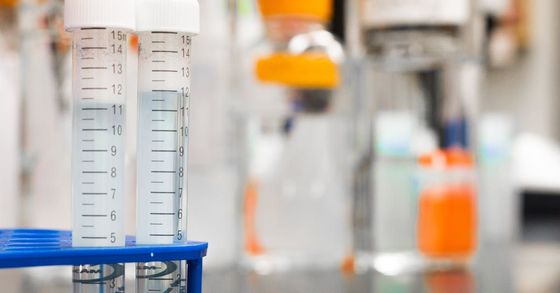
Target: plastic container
<point x="99" y="85"/>
<point x="165" y="30"/>
<point x="447" y="212"/>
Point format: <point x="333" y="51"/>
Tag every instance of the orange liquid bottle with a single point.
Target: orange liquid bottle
<point x="447" y="207"/>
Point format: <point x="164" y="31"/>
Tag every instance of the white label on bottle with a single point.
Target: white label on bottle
<point x="415" y="12"/>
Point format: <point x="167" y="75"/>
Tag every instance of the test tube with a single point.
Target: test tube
<point x="164" y="73"/>
<point x="99" y="50"/>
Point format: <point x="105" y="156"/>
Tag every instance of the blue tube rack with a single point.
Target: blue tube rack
<point x="20" y="248"/>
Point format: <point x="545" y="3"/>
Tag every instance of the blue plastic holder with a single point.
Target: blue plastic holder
<point x="21" y="248"/>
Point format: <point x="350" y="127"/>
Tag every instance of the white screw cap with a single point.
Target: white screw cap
<point x="168" y="16"/>
<point x="99" y="13"/>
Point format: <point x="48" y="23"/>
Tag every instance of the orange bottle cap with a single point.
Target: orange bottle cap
<point x="317" y="9"/>
<point x="308" y="70"/>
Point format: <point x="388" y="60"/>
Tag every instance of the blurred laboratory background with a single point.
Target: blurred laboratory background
<point x="335" y="145"/>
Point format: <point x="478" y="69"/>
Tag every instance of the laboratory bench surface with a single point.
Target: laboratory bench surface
<point x="530" y="267"/>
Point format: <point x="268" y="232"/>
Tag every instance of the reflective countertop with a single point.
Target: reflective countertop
<point x="530" y="267"/>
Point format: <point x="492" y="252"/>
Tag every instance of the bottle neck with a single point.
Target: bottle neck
<point x="281" y="30"/>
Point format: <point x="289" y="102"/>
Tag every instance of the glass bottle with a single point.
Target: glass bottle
<point x="296" y="200"/>
<point x="414" y="102"/>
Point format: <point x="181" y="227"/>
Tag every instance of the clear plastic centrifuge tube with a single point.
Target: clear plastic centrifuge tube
<point x="99" y="50"/>
<point x="165" y="29"/>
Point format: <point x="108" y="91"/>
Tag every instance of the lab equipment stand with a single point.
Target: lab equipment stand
<point x="20" y="248"/>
